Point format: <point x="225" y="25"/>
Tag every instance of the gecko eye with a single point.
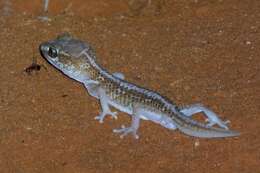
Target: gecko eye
<point x="52" y="52"/>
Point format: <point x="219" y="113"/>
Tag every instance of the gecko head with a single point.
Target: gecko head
<point x="65" y="53"/>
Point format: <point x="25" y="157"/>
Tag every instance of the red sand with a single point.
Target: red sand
<point x="193" y="51"/>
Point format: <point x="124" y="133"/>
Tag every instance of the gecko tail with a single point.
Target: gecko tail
<point x="210" y="132"/>
<point x="194" y="128"/>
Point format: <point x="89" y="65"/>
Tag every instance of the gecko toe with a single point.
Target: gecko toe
<point x="125" y="131"/>
<point x="113" y="114"/>
<point x="99" y="118"/>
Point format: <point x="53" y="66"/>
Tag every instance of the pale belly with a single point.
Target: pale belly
<point x="158" y="118"/>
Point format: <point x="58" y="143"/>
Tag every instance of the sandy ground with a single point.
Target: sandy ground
<point x="192" y="52"/>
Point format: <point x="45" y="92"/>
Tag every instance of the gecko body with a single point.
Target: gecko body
<point x="77" y="60"/>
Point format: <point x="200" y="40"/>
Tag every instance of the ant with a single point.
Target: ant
<point x="33" y="67"/>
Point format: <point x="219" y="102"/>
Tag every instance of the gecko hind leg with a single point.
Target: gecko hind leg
<point x="212" y="117"/>
<point x="104" y="106"/>
<point x="133" y="128"/>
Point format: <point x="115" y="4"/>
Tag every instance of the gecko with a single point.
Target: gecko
<point x="77" y="59"/>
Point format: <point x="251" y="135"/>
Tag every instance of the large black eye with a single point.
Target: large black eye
<point x="52" y="52"/>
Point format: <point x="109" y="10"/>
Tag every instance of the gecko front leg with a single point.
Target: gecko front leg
<point x="92" y="87"/>
<point x="104" y="106"/>
<point x="96" y="91"/>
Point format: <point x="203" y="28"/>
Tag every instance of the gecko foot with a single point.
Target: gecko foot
<point x="126" y="130"/>
<point x="103" y="114"/>
<point x="219" y="122"/>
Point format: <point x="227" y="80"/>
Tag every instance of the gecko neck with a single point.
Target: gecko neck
<point x="95" y="66"/>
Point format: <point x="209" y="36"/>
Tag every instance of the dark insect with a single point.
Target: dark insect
<point x="33" y="67"/>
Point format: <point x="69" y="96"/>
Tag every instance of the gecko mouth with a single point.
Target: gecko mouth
<point x="43" y="50"/>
